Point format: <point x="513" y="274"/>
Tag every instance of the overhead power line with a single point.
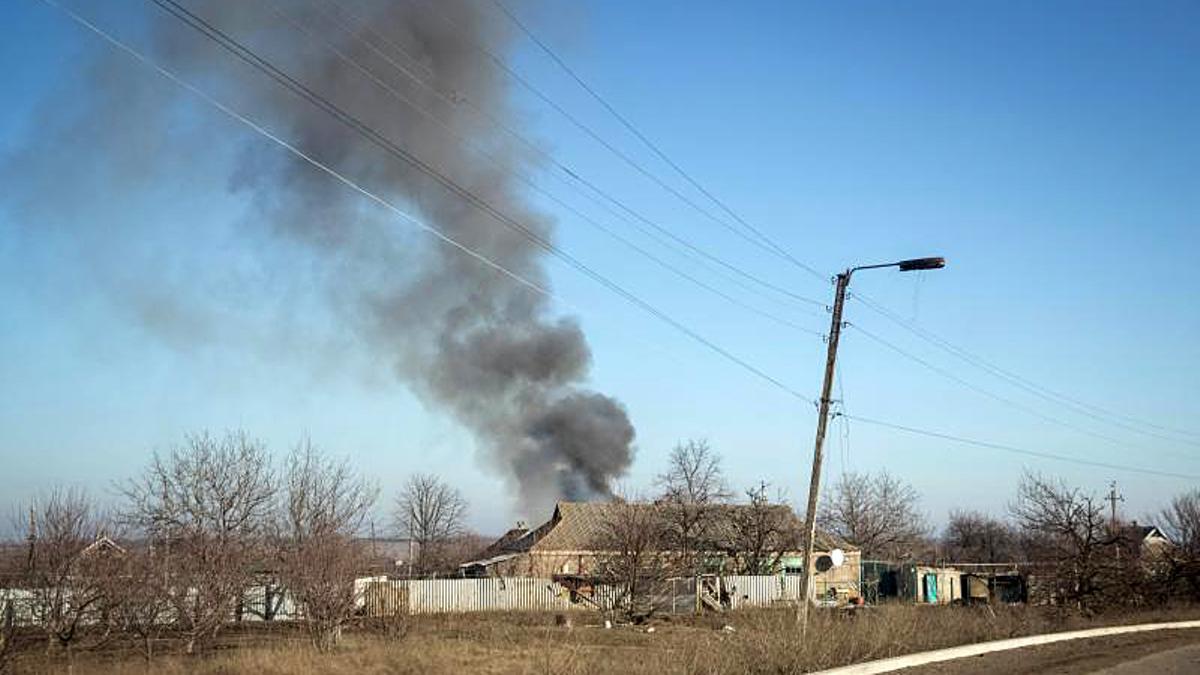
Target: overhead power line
<point x="1003" y="399"/>
<point x="1079" y="407"/>
<point x="263" y="131"/>
<point x="528" y="181"/>
<point x="570" y="175"/>
<point x="625" y="122"/>
<point x="503" y="66"/>
<point x="1127" y="422"/>
<point x="259" y="129"/>
<point x="1024" y="451"/>
<point x="266" y="67"/>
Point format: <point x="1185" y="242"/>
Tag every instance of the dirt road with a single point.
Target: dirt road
<point x="1160" y="652"/>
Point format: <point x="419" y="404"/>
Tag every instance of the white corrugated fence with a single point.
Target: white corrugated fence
<point x="492" y="594"/>
<point x="381" y="596"/>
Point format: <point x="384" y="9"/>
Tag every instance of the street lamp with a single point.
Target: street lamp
<point x="814" y="485"/>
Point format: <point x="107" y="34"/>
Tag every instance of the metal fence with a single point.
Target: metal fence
<point x="761" y="591"/>
<point x="678" y="596"/>
<point x="494" y="594"/>
<point x="379" y="596"/>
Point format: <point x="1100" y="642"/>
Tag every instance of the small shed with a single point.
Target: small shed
<point x="936" y="585"/>
<point x="922" y="584"/>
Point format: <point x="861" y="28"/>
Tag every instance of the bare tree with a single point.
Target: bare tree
<point x="462" y="548"/>
<point x="65" y="567"/>
<point x="635" y="555"/>
<point x="139" y="597"/>
<point x="325" y="506"/>
<point x="8" y="630"/>
<point x="760" y="532"/>
<point x="10" y="577"/>
<point x="206" y="508"/>
<point x="878" y="513"/>
<point x="693" y="487"/>
<point x="431" y="514"/>
<point x="1181" y="523"/>
<point x="1066" y="532"/>
<point x="972" y="536"/>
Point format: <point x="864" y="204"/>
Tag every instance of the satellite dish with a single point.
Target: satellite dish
<point x="838" y="556"/>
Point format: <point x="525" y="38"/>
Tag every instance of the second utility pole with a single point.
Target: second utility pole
<point x="814" y="485"/>
<point x="1113" y="498"/>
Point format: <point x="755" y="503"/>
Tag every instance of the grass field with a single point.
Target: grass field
<point x="761" y="641"/>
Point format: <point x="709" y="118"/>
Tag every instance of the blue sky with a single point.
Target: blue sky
<point x="1050" y="151"/>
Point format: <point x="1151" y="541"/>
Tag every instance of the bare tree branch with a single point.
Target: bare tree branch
<point x="325" y="505"/>
<point x="1082" y="561"/>
<point x="692" y="488"/>
<point x="972" y="536"/>
<point x="878" y="513"/>
<point x="760" y="533"/>
<point x="636" y="556"/>
<point x="431" y="514"/>
<point x="64" y="572"/>
<point x="206" y="508"/>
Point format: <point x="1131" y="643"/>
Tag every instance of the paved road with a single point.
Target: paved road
<point x="1165" y="652"/>
<point x="1181" y="661"/>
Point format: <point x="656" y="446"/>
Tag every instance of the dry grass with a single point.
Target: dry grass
<point x="764" y="641"/>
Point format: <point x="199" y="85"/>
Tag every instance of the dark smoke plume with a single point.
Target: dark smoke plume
<point x="465" y="338"/>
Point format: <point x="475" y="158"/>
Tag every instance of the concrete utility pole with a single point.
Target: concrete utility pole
<point x="814" y="483"/>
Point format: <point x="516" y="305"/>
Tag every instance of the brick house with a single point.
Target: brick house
<point x="569" y="543"/>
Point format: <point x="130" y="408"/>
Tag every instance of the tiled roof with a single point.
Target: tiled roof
<point x="577" y="526"/>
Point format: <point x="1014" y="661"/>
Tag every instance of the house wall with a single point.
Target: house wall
<point x="549" y="563"/>
<point x="842" y="581"/>
<point x="544" y="564"/>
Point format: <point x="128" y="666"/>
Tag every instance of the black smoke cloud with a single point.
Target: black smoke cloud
<point x="466" y="339"/>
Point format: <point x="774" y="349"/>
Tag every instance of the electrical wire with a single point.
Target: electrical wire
<point x="1024" y="451"/>
<point x="766" y="241"/>
<point x="844" y="435"/>
<point x="654" y="148"/>
<point x="529" y="182"/>
<point x="254" y="126"/>
<point x="253" y="59"/>
<point x="574" y="176"/>
<point x="1002" y="399"/>
<point x="1079" y="407"/>
<point x="623" y="156"/>
<point x="263" y="131"/>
